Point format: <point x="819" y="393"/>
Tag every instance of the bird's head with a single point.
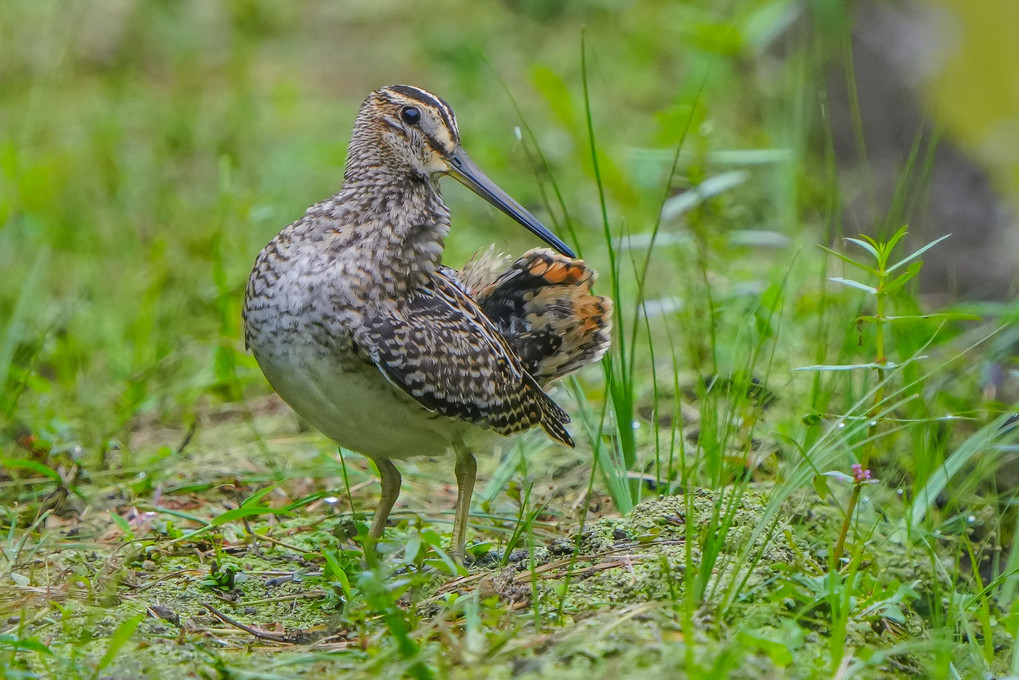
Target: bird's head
<point x="416" y="133"/>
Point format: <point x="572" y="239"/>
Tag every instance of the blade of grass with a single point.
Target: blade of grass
<point x="119" y="638"/>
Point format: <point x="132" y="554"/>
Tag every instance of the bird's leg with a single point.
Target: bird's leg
<point x="466" y="472"/>
<point x="391" y="480"/>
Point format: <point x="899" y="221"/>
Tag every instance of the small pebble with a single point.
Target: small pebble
<point x="561" y="548"/>
<point x="518" y="555"/>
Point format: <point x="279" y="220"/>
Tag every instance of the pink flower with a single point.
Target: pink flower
<point x="859" y="474"/>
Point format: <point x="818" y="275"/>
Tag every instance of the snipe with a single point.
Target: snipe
<point x="358" y="326"/>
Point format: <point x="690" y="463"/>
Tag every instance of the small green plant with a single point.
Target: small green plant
<point x="885" y="285"/>
<point x="381" y="593"/>
<point x="887" y="279"/>
<point x="224" y="577"/>
<point x="118" y="639"/>
<point x="336" y="575"/>
<point x="859" y="477"/>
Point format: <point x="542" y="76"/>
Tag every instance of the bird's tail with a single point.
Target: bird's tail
<point x="544" y="307"/>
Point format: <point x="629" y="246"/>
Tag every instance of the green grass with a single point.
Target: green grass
<point x="708" y="523"/>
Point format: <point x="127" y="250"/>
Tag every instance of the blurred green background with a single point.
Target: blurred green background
<point x="149" y="149"/>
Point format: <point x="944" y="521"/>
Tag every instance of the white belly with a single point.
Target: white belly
<point x="359" y="409"/>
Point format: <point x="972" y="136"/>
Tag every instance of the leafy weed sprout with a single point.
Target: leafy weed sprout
<point x="883" y="288"/>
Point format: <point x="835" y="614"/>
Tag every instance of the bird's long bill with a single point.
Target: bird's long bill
<point x="467" y="173"/>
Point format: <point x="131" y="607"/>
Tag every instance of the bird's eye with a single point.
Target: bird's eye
<point x="410" y="115"/>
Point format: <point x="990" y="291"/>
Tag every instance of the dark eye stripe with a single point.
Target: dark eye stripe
<point x="436" y="147"/>
<point x="433" y="143"/>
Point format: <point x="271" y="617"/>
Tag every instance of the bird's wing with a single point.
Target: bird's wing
<point x="441" y="349"/>
<point x="544" y="308"/>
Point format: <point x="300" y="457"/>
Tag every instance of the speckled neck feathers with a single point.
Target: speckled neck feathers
<point x="398" y="229"/>
<point x="391" y="213"/>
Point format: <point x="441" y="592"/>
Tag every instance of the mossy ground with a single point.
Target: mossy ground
<point x="251" y="598"/>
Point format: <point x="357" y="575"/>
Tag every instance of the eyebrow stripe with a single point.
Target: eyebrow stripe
<point x="430" y="100"/>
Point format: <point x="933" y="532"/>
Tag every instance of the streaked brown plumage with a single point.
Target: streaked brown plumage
<point x="543" y="306"/>
<point x="358" y="326"/>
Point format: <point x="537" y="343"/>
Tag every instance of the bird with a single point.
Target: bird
<point x="360" y="328"/>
